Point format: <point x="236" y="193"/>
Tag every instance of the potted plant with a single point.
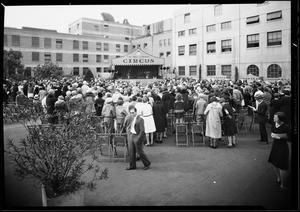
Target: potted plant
<point x="61" y="158"/>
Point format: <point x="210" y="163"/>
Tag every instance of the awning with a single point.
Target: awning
<point x="137" y="58"/>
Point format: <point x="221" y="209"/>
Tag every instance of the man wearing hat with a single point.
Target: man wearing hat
<point x="200" y="107"/>
<point x="262" y="117"/>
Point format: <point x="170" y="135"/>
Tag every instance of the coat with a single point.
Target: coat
<point x="159" y="115"/>
<point x="262" y="112"/>
<point x="213" y="114"/>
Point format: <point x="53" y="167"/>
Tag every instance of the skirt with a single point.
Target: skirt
<point x="149" y="124"/>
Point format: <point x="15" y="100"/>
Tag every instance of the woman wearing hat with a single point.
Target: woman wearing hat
<point x="213" y="114"/>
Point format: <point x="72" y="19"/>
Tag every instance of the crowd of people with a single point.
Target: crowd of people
<point x="214" y="103"/>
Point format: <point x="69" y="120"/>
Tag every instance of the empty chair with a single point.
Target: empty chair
<point x="197" y="128"/>
<point x="119" y="141"/>
<point x="104" y="141"/>
<point x="181" y="132"/>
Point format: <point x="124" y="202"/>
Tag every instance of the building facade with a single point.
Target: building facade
<point x="212" y="41"/>
<point x="156" y="40"/>
<point x="75" y="52"/>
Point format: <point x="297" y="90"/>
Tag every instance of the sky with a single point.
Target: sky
<point x="59" y="17"/>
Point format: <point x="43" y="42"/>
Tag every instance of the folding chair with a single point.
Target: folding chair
<point x="241" y="122"/>
<point x="104" y="141"/>
<point x="119" y="140"/>
<point x="197" y="128"/>
<point x="181" y="131"/>
<point x="253" y="122"/>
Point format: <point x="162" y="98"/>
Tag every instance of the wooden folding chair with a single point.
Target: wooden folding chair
<point x="119" y="140"/>
<point x="197" y="128"/>
<point x="181" y="131"/>
<point x="104" y="140"/>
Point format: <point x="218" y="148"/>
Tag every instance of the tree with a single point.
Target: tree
<point x="89" y="75"/>
<point x="47" y="71"/>
<point x="11" y="62"/>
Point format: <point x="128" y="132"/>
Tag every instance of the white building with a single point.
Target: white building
<point x="216" y="41"/>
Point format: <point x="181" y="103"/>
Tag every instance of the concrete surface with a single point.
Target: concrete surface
<point x="184" y="176"/>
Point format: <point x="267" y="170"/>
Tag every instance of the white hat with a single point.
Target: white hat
<point x="108" y="100"/>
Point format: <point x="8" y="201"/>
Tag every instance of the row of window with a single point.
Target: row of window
<point x="35" y="42"/>
<point x="273" y="71"/>
<point x="165" y="42"/>
<point x="85" y="69"/>
<point x="162" y="54"/>
<point x="59" y="57"/>
<point x="273" y="39"/>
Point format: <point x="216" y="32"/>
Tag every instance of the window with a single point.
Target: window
<point x="59" y="43"/>
<point x="106" y="48"/>
<point x="211" y="70"/>
<point x="169" y="42"/>
<point x="35" y="41"/>
<point x="84" y="70"/>
<point x="226" y="46"/>
<point x="35" y="56"/>
<point x="96" y="28"/>
<point x="181" y="33"/>
<point x="47" y="42"/>
<point x="187" y="18"/>
<point x="98" y="46"/>
<point x="98" y="69"/>
<point x="253" y="69"/>
<point x="274" y="71"/>
<point x="253" y="40"/>
<point x="193" y="70"/>
<point x="133" y="46"/>
<point x="161" y="54"/>
<point x="274" y="15"/>
<point x="181" y="70"/>
<point x="75" y="57"/>
<point x="85" y="45"/>
<point x="76" y="71"/>
<point x="118" y="47"/>
<point x="252" y="20"/>
<point x="139" y="46"/>
<point x="106" y="27"/>
<point x="117" y="56"/>
<point x="145" y="45"/>
<point x="126" y="38"/>
<point x="165" y="42"/>
<point x="181" y="50"/>
<point x="106" y="69"/>
<point x="211" y="28"/>
<point x="85" y="58"/>
<point x="226" y="70"/>
<point x="75" y="44"/>
<point x="15" y="40"/>
<point x="105" y="58"/>
<point x="98" y="58"/>
<point x="192" y="31"/>
<point x="5" y="40"/>
<point x="193" y="49"/>
<point x="226" y="25"/>
<point x="160" y="42"/>
<point x="211" y="47"/>
<point x="59" y="57"/>
<point x="218" y="9"/>
<point x="47" y="57"/>
<point x="125" y="48"/>
<point x="69" y="30"/>
<point x="274" y="38"/>
<point x="168" y="54"/>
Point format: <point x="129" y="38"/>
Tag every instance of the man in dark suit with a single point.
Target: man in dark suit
<point x="262" y="117"/>
<point x="136" y="136"/>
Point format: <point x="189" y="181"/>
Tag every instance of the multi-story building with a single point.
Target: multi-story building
<point x="156" y="40"/>
<point x="84" y="48"/>
<point x="212" y="41"/>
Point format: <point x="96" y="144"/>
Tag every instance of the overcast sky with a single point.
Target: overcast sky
<point x="58" y="17"/>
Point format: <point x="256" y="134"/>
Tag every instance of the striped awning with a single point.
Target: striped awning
<point x="137" y="58"/>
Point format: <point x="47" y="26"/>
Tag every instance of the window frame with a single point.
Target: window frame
<point x="193" y="31"/>
<point x="270" y="70"/>
<point x="274" y="13"/>
<point x="98" y="58"/>
<point x="76" y="69"/>
<point x="209" y="50"/>
<point x="187" y="18"/>
<point x="35" y="54"/>
<point x="35" y="41"/>
<point x="15" y="40"/>
<point x="276" y="44"/>
<point x="75" y="55"/>
<point x="211" y="28"/>
<point x="104" y="47"/>
<point x="126" y="48"/>
<point x="193" y="71"/>
<point x="253" y="69"/>
<point x="193" y="51"/>
<point x="249" y="20"/>
<point x="225" y="24"/>
<point x="46" y="55"/>
<point x="46" y="42"/>
<point x="75" y="43"/>
<point x="225" y="47"/>
<point x="218" y="9"/>
<point x="181" y="50"/>
<point x="85" y="45"/>
<point x="253" y="44"/>
<point x="223" y="72"/>
<point x="180" y="71"/>
<point x="59" y="56"/>
<point x="181" y="33"/>
<point x="210" y="71"/>
<point x="58" y="43"/>
<point x="85" y="58"/>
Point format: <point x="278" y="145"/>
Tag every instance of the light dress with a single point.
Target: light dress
<point x="147" y="115"/>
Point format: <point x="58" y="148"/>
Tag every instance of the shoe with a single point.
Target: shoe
<point x="138" y="158"/>
<point x="211" y="146"/>
<point x="147" y="144"/>
<point x="130" y="168"/>
<point x="156" y="141"/>
<point x="147" y="167"/>
<point x="215" y="147"/>
<point x="161" y="141"/>
<point x="264" y="142"/>
<point x="280" y="189"/>
<point x="165" y="136"/>
<point x="278" y="183"/>
<point x="230" y="146"/>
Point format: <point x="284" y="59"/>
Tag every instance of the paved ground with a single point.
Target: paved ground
<point x="185" y="176"/>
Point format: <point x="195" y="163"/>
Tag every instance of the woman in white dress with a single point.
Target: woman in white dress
<point x="213" y="114"/>
<point x="147" y="115"/>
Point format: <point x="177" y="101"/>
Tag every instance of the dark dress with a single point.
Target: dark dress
<point x="159" y="116"/>
<point x="286" y="107"/>
<point x="229" y="125"/>
<point x="279" y="155"/>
